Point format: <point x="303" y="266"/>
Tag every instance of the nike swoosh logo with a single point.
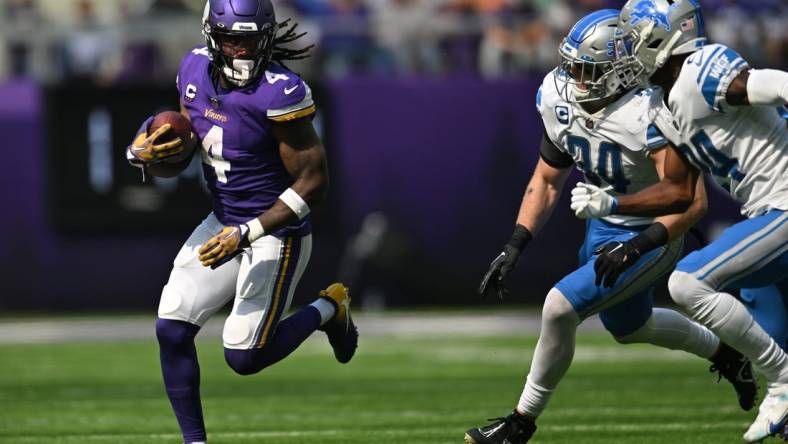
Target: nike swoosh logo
<point x="289" y="90"/>
<point x="489" y="433"/>
<point x="775" y="428"/>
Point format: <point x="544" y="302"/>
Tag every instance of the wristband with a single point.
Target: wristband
<point x="520" y="237"/>
<point x="244" y="229"/>
<point x="295" y="202"/>
<point x="613" y="206"/>
<point x="256" y="230"/>
<point x="656" y="235"/>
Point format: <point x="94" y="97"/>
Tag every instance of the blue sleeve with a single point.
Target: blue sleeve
<point x="655" y="138"/>
<point x="783" y="112"/>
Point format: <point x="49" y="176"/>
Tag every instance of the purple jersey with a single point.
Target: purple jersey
<point x="240" y="155"/>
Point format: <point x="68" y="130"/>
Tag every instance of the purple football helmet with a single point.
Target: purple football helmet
<point x="240" y="37"/>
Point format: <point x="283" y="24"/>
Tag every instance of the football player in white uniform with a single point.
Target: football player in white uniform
<point x="606" y="133"/>
<point x="725" y="117"/>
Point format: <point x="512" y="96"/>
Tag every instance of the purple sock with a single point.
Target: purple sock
<point x="181" y="373"/>
<point x="289" y="334"/>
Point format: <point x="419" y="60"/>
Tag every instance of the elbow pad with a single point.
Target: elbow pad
<point x="767" y="87"/>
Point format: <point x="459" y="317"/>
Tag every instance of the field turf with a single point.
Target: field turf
<point x="415" y="390"/>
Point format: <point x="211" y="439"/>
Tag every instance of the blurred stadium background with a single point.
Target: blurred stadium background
<point x="426" y="108"/>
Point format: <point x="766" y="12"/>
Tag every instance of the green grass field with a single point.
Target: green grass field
<point x="397" y="390"/>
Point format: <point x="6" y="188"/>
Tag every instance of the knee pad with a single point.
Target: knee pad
<point x="558" y="309"/>
<point x="687" y="291"/>
<point x="172" y="332"/>
<point x="177" y="297"/>
<point x="239" y="332"/>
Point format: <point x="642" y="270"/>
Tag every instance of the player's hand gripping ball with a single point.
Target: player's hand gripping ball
<point x="169" y="139"/>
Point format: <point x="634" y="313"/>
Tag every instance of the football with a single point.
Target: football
<point x="179" y="127"/>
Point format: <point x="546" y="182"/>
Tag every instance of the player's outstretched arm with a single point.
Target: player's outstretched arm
<point x="768" y="87"/>
<point x="673" y="194"/>
<point x="679" y="223"/>
<point x="304" y="158"/>
<point x="539" y="201"/>
<point x="541" y="195"/>
<point x="615" y="257"/>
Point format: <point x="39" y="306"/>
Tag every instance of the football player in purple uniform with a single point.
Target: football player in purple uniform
<point x="265" y="167"/>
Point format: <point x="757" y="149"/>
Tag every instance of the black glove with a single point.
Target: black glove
<point x="615" y="257"/>
<point x="494" y="281"/>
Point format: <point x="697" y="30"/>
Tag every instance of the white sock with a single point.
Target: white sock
<point x="671" y="329"/>
<point x="534" y="399"/>
<point x="325" y="308"/>
<point x="553" y="355"/>
<point x="730" y="320"/>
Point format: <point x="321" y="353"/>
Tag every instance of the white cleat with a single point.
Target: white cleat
<point x="772" y="414"/>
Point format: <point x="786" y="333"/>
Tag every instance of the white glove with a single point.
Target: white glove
<point x="589" y="201"/>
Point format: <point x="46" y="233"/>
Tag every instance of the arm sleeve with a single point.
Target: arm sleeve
<point x="553" y="156"/>
<point x="767" y="87"/>
<point x="716" y="73"/>
<point x="654" y="138"/>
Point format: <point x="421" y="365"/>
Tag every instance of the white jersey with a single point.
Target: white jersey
<point x="745" y="148"/>
<point x="611" y="147"/>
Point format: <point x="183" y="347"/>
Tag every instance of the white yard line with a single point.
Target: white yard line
<point x="415" y="324"/>
<point x="409" y="431"/>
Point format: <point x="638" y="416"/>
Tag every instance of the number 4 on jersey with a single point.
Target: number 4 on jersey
<point x="212" y="153"/>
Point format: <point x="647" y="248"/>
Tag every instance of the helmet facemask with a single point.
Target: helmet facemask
<point x="630" y="68"/>
<point x="585" y="80"/>
<point x="241" y="56"/>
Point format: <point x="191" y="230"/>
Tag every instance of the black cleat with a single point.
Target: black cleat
<point x="737" y="369"/>
<point x="341" y="331"/>
<point x="513" y="429"/>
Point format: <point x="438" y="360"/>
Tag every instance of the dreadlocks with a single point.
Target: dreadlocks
<point x="281" y="53"/>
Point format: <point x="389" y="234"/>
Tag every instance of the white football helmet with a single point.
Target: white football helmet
<point x="650" y="31"/>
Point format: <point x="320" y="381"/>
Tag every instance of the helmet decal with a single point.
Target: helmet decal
<point x="648" y="10"/>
